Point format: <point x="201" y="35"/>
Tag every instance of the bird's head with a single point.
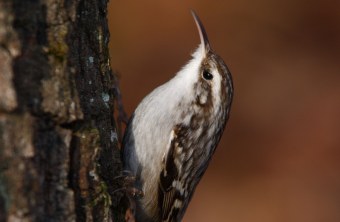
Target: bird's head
<point x="208" y="75"/>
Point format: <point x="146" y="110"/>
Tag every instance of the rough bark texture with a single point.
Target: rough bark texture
<point x="59" y="157"/>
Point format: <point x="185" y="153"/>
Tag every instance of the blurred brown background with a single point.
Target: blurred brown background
<point x="279" y="159"/>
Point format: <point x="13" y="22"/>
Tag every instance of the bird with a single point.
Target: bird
<point x="174" y="131"/>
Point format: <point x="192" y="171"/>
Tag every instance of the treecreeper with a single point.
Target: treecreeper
<point x="173" y="133"/>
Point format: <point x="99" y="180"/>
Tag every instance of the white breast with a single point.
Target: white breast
<point x="153" y="121"/>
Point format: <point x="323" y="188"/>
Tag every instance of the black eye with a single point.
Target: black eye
<point x="207" y="75"/>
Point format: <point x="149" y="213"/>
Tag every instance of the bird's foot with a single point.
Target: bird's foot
<point x="132" y="193"/>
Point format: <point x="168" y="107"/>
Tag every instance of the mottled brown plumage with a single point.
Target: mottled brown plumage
<point x="174" y="132"/>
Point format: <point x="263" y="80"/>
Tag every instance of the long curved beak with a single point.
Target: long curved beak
<point x="203" y="35"/>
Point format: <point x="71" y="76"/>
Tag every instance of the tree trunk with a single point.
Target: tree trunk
<point x="59" y="156"/>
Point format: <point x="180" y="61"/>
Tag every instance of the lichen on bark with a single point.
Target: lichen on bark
<point x="58" y="158"/>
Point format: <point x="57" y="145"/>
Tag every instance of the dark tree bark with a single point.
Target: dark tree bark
<point x="59" y="156"/>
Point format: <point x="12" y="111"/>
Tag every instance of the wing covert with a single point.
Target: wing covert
<point x="171" y="188"/>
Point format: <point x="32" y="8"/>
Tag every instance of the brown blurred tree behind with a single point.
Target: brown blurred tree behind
<point x="59" y="157"/>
